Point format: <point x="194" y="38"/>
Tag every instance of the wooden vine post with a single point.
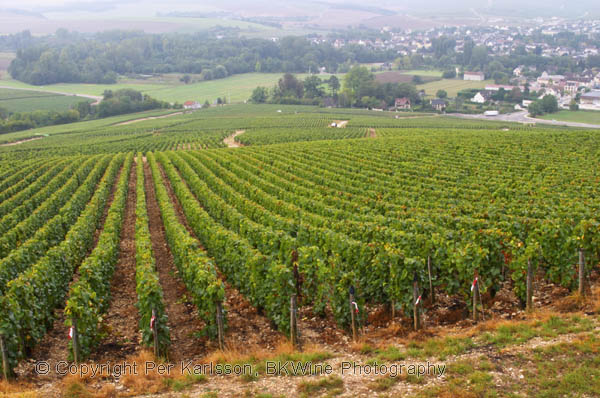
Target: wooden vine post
<point x="581" y="273"/>
<point x="294" y="320"/>
<point x="154" y="327"/>
<point x="475" y="291"/>
<point x="430" y="282"/>
<point x="75" y="341"/>
<point x="5" y="369"/>
<point x="529" y="305"/>
<point x="353" y="307"/>
<point x="220" y="331"/>
<point x="416" y="302"/>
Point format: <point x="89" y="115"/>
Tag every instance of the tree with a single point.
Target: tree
<point x="206" y="104"/>
<point x="259" y="95"/>
<point x="357" y="76"/>
<point x="449" y="74"/>
<point x="186" y="79"/>
<point x="480" y="56"/>
<point x="290" y="86"/>
<point x="535" y="109"/>
<point x="515" y="95"/>
<point x="549" y="104"/>
<point x="441" y="94"/>
<point x="312" y="87"/>
<point x="573" y="106"/>
<point x="468" y="51"/>
<point x="416" y="79"/>
<point x="334" y="84"/>
<point x="84" y="108"/>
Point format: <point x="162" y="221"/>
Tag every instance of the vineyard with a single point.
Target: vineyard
<point x="302" y="211"/>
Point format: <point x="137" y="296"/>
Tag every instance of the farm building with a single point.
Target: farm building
<point x="191" y="105"/>
<point x="497" y="87"/>
<point x="402" y="103"/>
<point x="482" y="97"/>
<point x="590" y="101"/>
<point x="475" y="76"/>
<point x="438" y="104"/>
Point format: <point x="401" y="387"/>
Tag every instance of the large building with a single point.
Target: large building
<point x="476" y="76"/>
<point x="590" y="101"/>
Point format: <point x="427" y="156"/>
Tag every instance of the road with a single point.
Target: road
<point x="521" y="117"/>
<point x="96" y="98"/>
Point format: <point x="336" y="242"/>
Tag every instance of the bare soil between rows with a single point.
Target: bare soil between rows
<point x="121" y="320"/>
<point x="21" y="141"/>
<point x="54" y="347"/>
<point x="147" y="118"/>
<point x="231" y="142"/>
<point x="183" y="321"/>
<point x="246" y="328"/>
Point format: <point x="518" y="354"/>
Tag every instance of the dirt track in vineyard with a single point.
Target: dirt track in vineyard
<point x="246" y="328"/>
<point x="184" y="323"/>
<point x="122" y="317"/>
<point x="54" y="347"/>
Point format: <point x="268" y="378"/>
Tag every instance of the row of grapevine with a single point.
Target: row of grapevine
<point x="266" y="284"/>
<point x="34" y="206"/>
<point x="16" y="198"/>
<point x="484" y="247"/>
<point x="20" y="175"/>
<point x="28" y="304"/>
<point x="195" y="268"/>
<point x="53" y="231"/>
<point x="148" y="289"/>
<point x="89" y="296"/>
<point x="266" y="136"/>
<point x="248" y="220"/>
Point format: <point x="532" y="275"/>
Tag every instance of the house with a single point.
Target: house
<point x="482" y="97"/>
<point x="546" y="79"/>
<point x="191" y="105"/>
<point x="590" y="101"/>
<point x="438" y="104"/>
<point x="571" y="87"/>
<point x="402" y="103"/>
<point x="476" y="76"/>
<point x="497" y="87"/>
<point x="518" y="71"/>
<point x="549" y="91"/>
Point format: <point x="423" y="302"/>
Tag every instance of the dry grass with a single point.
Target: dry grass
<point x="254" y="354"/>
<point x="14" y="390"/>
<point x="151" y="382"/>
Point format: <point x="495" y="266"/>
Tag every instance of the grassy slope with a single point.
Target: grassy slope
<point x="28" y="101"/>
<point x="452" y="86"/>
<point x="73" y="88"/>
<point x="61" y="128"/>
<point x="591" y="117"/>
<point x="237" y="87"/>
<point x="419" y="72"/>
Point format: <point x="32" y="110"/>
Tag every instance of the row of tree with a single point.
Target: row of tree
<point x="72" y="57"/>
<point x="360" y="89"/>
<point x="27" y="120"/>
<point x="113" y="103"/>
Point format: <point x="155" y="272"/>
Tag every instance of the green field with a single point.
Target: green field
<point x="590" y="117"/>
<point x="236" y="88"/>
<point x="420" y="72"/>
<point x="29" y="101"/>
<point x="452" y="86"/>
